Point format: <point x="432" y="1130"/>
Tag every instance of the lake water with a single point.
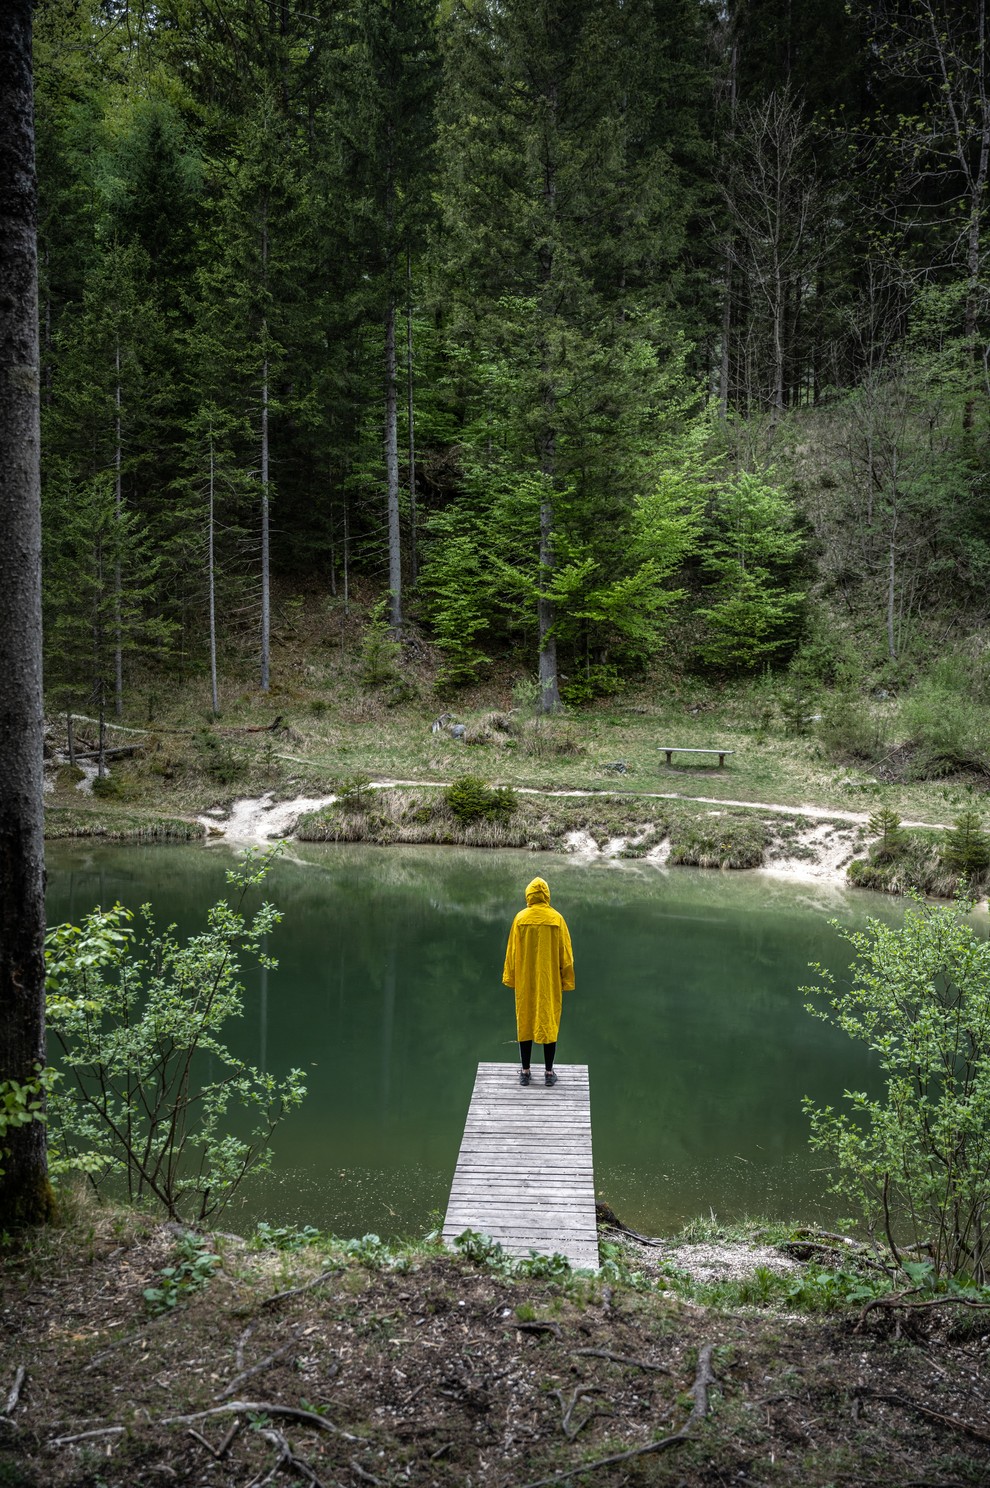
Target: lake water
<point x="388" y="992"/>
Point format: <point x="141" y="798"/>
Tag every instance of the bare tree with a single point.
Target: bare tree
<point x="775" y="207"/>
<point x="943" y="154"/>
<point x="25" y="1196"/>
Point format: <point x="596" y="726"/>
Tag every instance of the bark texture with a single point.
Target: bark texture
<point x="25" y="1196"/>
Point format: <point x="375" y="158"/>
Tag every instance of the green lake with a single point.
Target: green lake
<point x="388" y="992"/>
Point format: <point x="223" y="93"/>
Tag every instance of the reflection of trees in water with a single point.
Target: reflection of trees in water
<point x="389" y="992"/>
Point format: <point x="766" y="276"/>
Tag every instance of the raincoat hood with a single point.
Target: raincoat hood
<point x="538" y="892"/>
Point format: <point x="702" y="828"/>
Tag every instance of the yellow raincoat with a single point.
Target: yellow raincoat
<point x="539" y="965"/>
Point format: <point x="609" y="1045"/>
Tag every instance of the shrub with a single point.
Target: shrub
<point x="851" y="728"/>
<point x="550" y="738"/>
<point x="967" y="846"/>
<point x="885" y="826"/>
<point x="147" y="1083"/>
<point x="380" y="651"/>
<point x="108" y="788"/>
<point x="913" y="1161"/>
<point x="916" y="867"/>
<point x="217" y="760"/>
<point x="469" y="799"/>
<point x="948" y="729"/>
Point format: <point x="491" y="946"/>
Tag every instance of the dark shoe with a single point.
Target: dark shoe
<point x="550" y="1078"/>
<point x="524" y="1077"/>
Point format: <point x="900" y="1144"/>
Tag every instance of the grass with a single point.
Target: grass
<point x="321" y="723"/>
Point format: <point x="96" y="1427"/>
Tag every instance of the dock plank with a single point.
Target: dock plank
<point x="524" y="1173"/>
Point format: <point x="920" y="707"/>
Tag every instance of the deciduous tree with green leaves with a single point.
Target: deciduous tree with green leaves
<point x="914" y="1160"/>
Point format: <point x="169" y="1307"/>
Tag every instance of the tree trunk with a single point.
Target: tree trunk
<point x="265" y="535"/>
<point x="25" y="1195"/>
<point x="413" y="564"/>
<point x="549" y="701"/>
<point x="118" y="642"/>
<point x="392" y="469"/>
<point x="211" y="580"/>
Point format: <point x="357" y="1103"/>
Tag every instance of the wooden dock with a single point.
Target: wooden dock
<point x="524" y="1173"/>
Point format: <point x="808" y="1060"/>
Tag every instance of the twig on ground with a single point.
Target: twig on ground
<point x="239" y="1350"/>
<point x="307" y="1287"/>
<point x="567" y="1408"/>
<point x="703" y="1381"/>
<point x="979" y="1433"/>
<point x="286" y="1459"/>
<point x="261" y="1365"/>
<point x="594" y="1353"/>
<point x="64" y="1441"/>
<point x="14" y="1393"/>
<point x="221" y="1451"/>
<point x="260" y="1408"/>
<point x="117" y="1343"/>
<point x="360" y="1472"/>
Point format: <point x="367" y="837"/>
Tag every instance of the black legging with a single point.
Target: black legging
<point x="526" y="1050"/>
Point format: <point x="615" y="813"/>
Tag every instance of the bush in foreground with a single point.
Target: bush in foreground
<point x="913" y="1161"/>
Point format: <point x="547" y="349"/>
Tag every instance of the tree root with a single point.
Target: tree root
<point x="567" y="1408"/>
<point x="704" y="1379"/>
<point x="14" y="1394"/>
<point x="260" y="1367"/>
<point x="901" y="1302"/>
<point x="260" y="1408"/>
<point x="287" y="1460"/>
<point x="864" y="1392"/>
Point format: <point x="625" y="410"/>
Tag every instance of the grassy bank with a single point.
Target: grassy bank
<point x="153" y="1356"/>
<point x="115" y="824"/>
<point x="324" y="728"/>
<point x="729" y="839"/>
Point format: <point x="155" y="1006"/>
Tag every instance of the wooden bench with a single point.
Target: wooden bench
<point x="681" y="749"/>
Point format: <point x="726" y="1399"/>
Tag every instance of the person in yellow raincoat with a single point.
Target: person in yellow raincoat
<point x="539" y="966"/>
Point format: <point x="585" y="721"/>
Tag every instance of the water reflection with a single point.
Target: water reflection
<point x="388" y="992"/>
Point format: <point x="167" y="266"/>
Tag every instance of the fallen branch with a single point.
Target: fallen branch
<point x="286" y="1459"/>
<point x="260" y="1408"/>
<point x="901" y="1301"/>
<point x="239" y="1348"/>
<point x="864" y="1392"/>
<point x="218" y="1453"/>
<point x="360" y="1472"/>
<point x="308" y="1287"/>
<point x="64" y="1441"/>
<point x="14" y="1394"/>
<point x="703" y="1381"/>
<point x="593" y="1353"/>
<point x="260" y="1367"/>
<point x="605" y="1214"/>
<point x="567" y="1408"/>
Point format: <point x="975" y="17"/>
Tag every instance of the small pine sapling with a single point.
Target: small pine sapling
<point x="967" y="847"/>
<point x="885" y="826"/>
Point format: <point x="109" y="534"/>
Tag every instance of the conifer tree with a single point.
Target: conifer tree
<point x="563" y="209"/>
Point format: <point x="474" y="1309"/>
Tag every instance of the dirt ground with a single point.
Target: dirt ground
<point x="316" y="1368"/>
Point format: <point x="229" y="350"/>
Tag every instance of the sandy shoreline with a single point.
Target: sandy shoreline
<point x="819" y="854"/>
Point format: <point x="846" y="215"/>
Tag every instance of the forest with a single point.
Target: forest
<point x="596" y="336"/>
